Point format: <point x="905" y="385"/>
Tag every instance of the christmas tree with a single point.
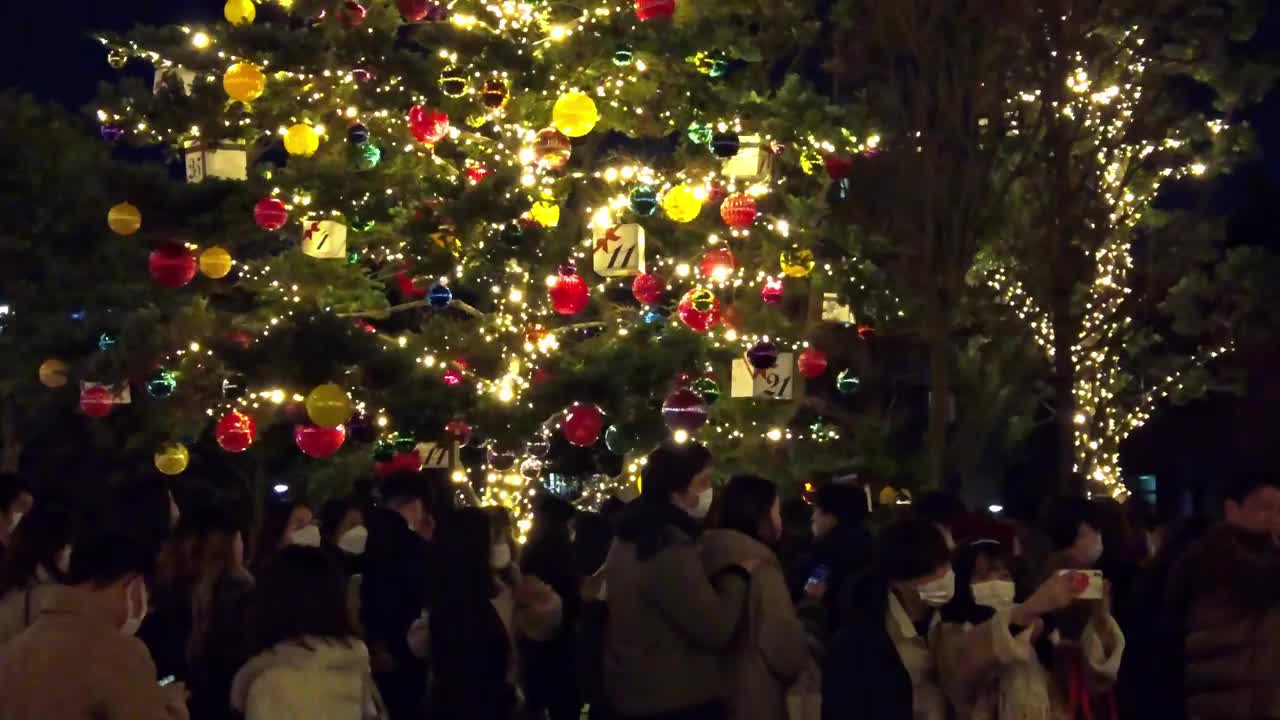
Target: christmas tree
<point x="521" y="241"/>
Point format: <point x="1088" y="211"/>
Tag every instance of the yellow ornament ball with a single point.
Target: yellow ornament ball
<point x="302" y="140"/>
<point x="53" y="373"/>
<point x="796" y="261"/>
<point x="328" y="406"/>
<point x="240" y="12"/>
<point x="244" y="82"/>
<point x="173" y="459"/>
<point x="124" y="219"/>
<point x="575" y="114"/>
<point x="215" y="262"/>
<point x="681" y="203"/>
<point x="810" y="161"/>
<point x="545" y="213"/>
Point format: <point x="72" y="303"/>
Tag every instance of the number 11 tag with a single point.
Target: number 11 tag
<point x="776" y="383"/>
<point x="619" y="251"/>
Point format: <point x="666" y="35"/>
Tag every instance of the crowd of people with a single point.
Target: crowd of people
<point x="688" y="603"/>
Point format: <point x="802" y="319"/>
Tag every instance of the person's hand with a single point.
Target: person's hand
<point x="1037" y="629"/>
<point x="175" y="705"/>
<point x="1056" y="593"/>
<point x="815" y="591"/>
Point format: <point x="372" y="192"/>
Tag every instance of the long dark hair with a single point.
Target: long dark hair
<point x="43" y="533"/>
<point x="745" y="505"/>
<point x="216" y="560"/>
<point x="963" y="608"/>
<point x="303" y="593"/>
<point x="466" y="575"/>
<point x="332" y="513"/>
<point x="275" y="518"/>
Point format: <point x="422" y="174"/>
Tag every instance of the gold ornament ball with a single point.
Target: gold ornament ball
<point x="173" y="459"/>
<point x="797" y="262"/>
<point x="681" y="204"/>
<point x="545" y="213"/>
<point x="124" y="219"/>
<point x="240" y="12"/>
<point x="575" y="114"/>
<point x="215" y="262"/>
<point x="53" y="373"/>
<point x="244" y="82"/>
<point x="302" y="140"/>
<point x="117" y="59"/>
<point x="447" y="240"/>
<point x="453" y="82"/>
<point x="328" y="406"/>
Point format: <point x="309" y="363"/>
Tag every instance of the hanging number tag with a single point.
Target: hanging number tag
<point x="183" y="77"/>
<point x="435" y="456"/>
<point x="324" y="239"/>
<point x="835" y="311"/>
<point x="619" y="251"/>
<point x="776" y="383"/>
<point x="226" y="162"/>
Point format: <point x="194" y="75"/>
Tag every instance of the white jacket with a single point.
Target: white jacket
<point x="314" y="678"/>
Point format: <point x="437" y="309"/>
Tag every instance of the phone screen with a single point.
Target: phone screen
<point x="819" y="575"/>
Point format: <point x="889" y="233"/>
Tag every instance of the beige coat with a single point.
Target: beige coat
<point x="319" y="680"/>
<point x="73" y="663"/>
<point x="771" y="648"/>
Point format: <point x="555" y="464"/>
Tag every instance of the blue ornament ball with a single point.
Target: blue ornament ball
<point x="725" y="145"/>
<point x="644" y="201"/>
<point x="162" y="384"/>
<point x="440" y="296"/>
<point x="357" y="134"/>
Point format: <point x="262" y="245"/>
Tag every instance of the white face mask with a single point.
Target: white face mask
<point x="354" y="540"/>
<point x="136" y="612"/>
<point x="937" y="593"/>
<point x="995" y="594"/>
<point x="308" y="536"/>
<point x="500" y="557"/>
<point x="703" y="507"/>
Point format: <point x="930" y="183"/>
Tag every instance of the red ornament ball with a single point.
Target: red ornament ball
<point x="414" y="10"/>
<point x="476" y="174"/>
<point x="352" y="14"/>
<point x="718" y="264"/>
<point x="738" y="211"/>
<point x="771" y="291"/>
<point x="812" y="363"/>
<point x="172" y="265"/>
<point x="648" y="288"/>
<point x="452" y="377"/>
<point x="319" y="442"/>
<point x="838" y="167"/>
<point x="97" y="401"/>
<point x="583" y="424"/>
<point x="459" y="431"/>
<point x="647" y="10"/>
<point x="569" y="293"/>
<point x="427" y="126"/>
<point x="699" y="309"/>
<point x="866" y="331"/>
<point x="552" y="149"/>
<point x="270" y="214"/>
<point x="685" y="410"/>
<point x="235" y="432"/>
<point x="716" y="193"/>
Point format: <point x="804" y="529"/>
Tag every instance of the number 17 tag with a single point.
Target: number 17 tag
<point x="772" y="384"/>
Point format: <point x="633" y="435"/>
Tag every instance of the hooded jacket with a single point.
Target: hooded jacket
<point x="770" y="648"/>
<point x="314" y="678"/>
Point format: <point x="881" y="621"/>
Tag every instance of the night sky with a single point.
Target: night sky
<point x="48" y="52"/>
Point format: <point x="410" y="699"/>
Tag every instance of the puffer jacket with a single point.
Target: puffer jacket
<point x="319" y="679"/>
<point x="771" y="648"/>
<point x="1227" y="589"/>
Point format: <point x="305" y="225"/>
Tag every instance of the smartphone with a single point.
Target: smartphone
<point x="819" y="575"/>
<point x="1094" y="589"/>
<point x="166" y="681"/>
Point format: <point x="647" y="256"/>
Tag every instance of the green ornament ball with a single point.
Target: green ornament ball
<point x="162" y="384"/>
<point x="618" y="440"/>
<point x="847" y="382"/>
<point x="623" y="56"/>
<point x="699" y="133"/>
<point x="707" y="388"/>
<point x="644" y="201"/>
<point x="452" y="82"/>
<point x="368" y="156"/>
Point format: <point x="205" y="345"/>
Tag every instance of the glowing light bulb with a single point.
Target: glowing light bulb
<point x="200" y="41"/>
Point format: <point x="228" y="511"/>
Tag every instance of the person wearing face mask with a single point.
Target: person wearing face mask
<point x="283" y="524"/>
<point x="668" y="628"/>
<point x="549" y="556"/>
<point x="1072" y="525"/>
<point x="771" y="647"/>
<point x="842" y="547"/>
<point x="994" y="660"/>
<point x="39" y="558"/>
<point x="79" y="659"/>
<point x="343" y="533"/>
<point x="219" y="603"/>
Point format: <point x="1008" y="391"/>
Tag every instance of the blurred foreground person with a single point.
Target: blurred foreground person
<point x="39" y="560"/>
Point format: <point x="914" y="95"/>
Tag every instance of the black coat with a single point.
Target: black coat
<point x="863" y="677"/>
<point x="847" y="552"/>
<point x="470" y="656"/>
<point x="394" y="590"/>
<point x="548" y="667"/>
